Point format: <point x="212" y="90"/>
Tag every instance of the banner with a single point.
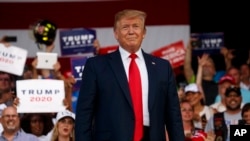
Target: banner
<point x="40" y="95"/>
<point x="207" y="42"/>
<point x="174" y="53"/>
<point x="12" y="59"/>
<point x="77" y="66"/>
<point x="108" y="49"/>
<point x="77" y="41"/>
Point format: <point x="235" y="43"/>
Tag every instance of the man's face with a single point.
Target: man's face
<point x="222" y="88"/>
<point x="208" y="68"/>
<point x="233" y="101"/>
<point x="235" y="73"/>
<point x="129" y="33"/>
<point x="5" y="82"/>
<point x="244" y="71"/>
<point x="10" y="119"/>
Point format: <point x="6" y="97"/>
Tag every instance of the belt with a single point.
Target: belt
<point x="145" y="133"/>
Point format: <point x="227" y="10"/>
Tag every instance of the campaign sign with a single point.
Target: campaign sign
<point x="239" y="132"/>
<point x="207" y="42"/>
<point x="75" y="95"/>
<point x="12" y="59"/>
<point x="108" y="49"/>
<point x="77" y="41"/>
<point x="40" y="95"/>
<point x="174" y="53"/>
<point x="77" y="66"/>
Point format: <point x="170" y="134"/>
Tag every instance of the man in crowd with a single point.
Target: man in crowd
<point x="220" y="122"/>
<point x="11" y="127"/>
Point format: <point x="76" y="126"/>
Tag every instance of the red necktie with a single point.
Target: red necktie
<point x="136" y="94"/>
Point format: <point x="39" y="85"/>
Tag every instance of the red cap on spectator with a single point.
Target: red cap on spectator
<point x="227" y="78"/>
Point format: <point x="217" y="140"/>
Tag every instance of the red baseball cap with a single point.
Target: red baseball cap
<point x="227" y="78"/>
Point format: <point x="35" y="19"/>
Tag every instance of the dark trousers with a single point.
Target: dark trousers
<point x="145" y="134"/>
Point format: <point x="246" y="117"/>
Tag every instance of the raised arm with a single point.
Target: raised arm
<point x="201" y="62"/>
<point x="188" y="71"/>
<point x="34" y="70"/>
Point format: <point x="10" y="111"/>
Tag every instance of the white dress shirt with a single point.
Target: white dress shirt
<point x="144" y="78"/>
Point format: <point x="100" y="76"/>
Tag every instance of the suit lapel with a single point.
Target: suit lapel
<point x="120" y="74"/>
<point x="151" y="66"/>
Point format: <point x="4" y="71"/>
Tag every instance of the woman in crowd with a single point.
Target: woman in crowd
<point x="201" y="112"/>
<point x="192" y="133"/>
<point x="187" y="113"/>
<point x="64" y="127"/>
<point x="38" y="124"/>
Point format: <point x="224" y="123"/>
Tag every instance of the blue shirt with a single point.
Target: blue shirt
<point x="21" y="136"/>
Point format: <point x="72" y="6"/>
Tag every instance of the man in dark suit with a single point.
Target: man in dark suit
<point x="106" y="108"/>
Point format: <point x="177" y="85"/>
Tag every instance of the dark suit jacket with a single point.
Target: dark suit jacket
<point x="104" y="109"/>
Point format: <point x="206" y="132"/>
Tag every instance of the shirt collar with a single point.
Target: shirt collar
<point x="125" y="54"/>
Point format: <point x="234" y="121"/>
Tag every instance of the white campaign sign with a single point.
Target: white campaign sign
<point x="12" y="59"/>
<point x="40" y="95"/>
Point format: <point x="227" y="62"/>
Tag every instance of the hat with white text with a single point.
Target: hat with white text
<point x="65" y="113"/>
<point x="191" y="88"/>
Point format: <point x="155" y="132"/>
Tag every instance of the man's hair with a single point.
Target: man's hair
<point x="2" y="72"/>
<point x="231" y="68"/>
<point x="10" y="75"/>
<point x="129" y="13"/>
<point x="233" y="89"/>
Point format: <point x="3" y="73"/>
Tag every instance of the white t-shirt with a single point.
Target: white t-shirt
<point x="244" y="86"/>
<point x="208" y="112"/>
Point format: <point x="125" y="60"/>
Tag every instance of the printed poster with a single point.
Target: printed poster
<point x="40" y="95"/>
<point x="108" y="49"/>
<point x="174" y="53"/>
<point x="77" y="41"/>
<point x="210" y="43"/>
<point x="12" y="59"/>
<point x="77" y="66"/>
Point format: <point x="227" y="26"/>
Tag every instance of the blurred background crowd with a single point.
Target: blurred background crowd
<point x="214" y="90"/>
